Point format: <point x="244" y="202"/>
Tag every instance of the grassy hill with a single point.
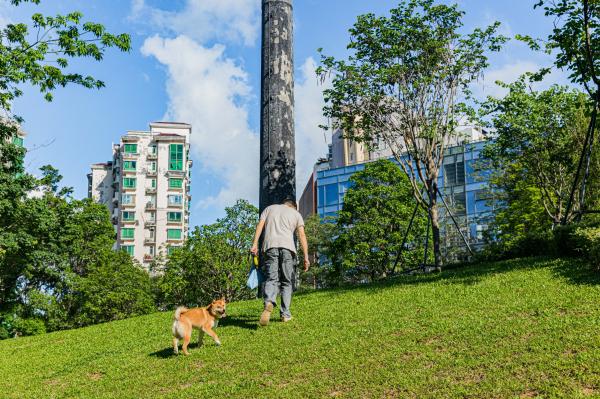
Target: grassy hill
<point x="524" y="328"/>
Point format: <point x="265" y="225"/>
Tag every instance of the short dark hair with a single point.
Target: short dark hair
<point x="290" y="201"/>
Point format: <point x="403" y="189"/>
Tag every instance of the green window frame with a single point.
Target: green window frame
<point x="128" y="248"/>
<point x="153" y="183"/>
<point x="153" y="149"/>
<point x="176" y="157"/>
<point x="18" y="141"/>
<point x="128" y="216"/>
<point x="174" y="216"/>
<point x="175" y="183"/>
<point x="127" y="233"/>
<point x="130" y="165"/>
<point x="130" y="148"/>
<point x="152" y="167"/>
<point x="174" y="234"/>
<point x="129" y="182"/>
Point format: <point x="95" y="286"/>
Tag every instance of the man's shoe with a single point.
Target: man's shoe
<point x="266" y="314"/>
<point x="285" y="319"/>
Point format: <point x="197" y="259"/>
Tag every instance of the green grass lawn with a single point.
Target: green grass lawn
<point x="524" y="328"/>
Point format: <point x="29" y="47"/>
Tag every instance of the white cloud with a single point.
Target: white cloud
<point x="311" y="141"/>
<point x="205" y="20"/>
<point x="510" y="73"/>
<point x="210" y="91"/>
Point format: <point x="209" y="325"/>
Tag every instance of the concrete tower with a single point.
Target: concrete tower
<point x="277" y="146"/>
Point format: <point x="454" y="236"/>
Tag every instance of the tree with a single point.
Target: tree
<point x="539" y="136"/>
<point x="40" y="56"/>
<point x="575" y="40"/>
<point x="319" y="236"/>
<point x="402" y="84"/>
<point x="374" y="219"/>
<point x="214" y="261"/>
<point x="113" y="289"/>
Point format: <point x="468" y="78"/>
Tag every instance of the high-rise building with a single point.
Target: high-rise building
<point x="146" y="187"/>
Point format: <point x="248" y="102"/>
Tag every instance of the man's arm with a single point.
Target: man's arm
<point x="259" y="228"/>
<point x="304" y="245"/>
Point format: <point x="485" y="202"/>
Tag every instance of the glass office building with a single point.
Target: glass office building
<point x="462" y="183"/>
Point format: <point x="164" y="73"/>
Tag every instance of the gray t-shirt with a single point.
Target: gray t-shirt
<point x="281" y="221"/>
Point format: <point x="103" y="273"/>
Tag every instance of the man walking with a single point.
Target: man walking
<point x="279" y="223"/>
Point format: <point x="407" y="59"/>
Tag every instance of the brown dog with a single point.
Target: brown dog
<point x="203" y="319"/>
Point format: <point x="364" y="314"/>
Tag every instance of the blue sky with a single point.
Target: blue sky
<point x="198" y="61"/>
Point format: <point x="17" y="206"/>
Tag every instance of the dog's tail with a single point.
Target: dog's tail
<point x="179" y="311"/>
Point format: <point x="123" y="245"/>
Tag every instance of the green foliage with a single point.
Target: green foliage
<point x="402" y="85"/>
<point x="536" y="150"/>
<point x="40" y="54"/>
<point x="114" y="290"/>
<point x="519" y="328"/>
<point x="374" y="219"/>
<point x="588" y="239"/>
<point x="575" y="39"/>
<point x="213" y="262"/>
<point x="319" y="236"/>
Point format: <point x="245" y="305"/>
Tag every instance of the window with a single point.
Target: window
<point x="151" y="251"/>
<point x="127" y="199"/>
<point x="152" y="150"/>
<point x="175" y="183"/>
<point x="152" y="166"/>
<point x="128" y="249"/>
<point x="127" y="233"/>
<point x="153" y="183"/>
<point x="128" y="216"/>
<point x="130" y="148"/>
<point x="176" y="157"/>
<point x="331" y="194"/>
<point x="18" y="141"/>
<point x="129" y="165"/>
<point x="174" y="234"/>
<point x="176" y="199"/>
<point x="129" y="182"/>
<point x="174" y="216"/>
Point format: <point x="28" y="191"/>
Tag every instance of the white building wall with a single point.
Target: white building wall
<point x="150" y="223"/>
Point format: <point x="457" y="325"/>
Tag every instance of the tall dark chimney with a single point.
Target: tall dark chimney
<point x="277" y="146"/>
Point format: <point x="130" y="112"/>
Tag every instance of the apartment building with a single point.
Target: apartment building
<point x="146" y="187"/>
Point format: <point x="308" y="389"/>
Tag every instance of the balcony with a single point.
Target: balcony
<point x="131" y="222"/>
<point x="148" y="258"/>
<point x="150" y="240"/>
<point x="150" y="190"/>
<point x="130" y="155"/>
<point x="150" y="206"/>
<point x="152" y="156"/>
<point x="128" y="205"/>
<point x="150" y="173"/>
<point x="150" y="223"/>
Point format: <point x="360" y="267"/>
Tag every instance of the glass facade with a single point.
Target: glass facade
<point x="464" y="189"/>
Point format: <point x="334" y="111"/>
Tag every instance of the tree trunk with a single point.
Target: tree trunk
<point x="435" y="228"/>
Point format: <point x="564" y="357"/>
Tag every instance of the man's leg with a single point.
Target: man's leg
<point x="271" y="271"/>
<point x="286" y="275"/>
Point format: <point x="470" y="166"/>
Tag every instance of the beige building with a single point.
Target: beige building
<point x="146" y="187"/>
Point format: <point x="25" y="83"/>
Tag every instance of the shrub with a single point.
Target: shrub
<point x="23" y="327"/>
<point x="588" y="244"/>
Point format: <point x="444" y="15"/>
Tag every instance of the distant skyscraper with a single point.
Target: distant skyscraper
<point x="146" y="188"/>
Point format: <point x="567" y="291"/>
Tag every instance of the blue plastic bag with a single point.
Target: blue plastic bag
<point x="252" y="282"/>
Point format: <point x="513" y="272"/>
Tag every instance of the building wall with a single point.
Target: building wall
<point x="149" y="205"/>
<point x="463" y="189"/>
<point x="308" y="201"/>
